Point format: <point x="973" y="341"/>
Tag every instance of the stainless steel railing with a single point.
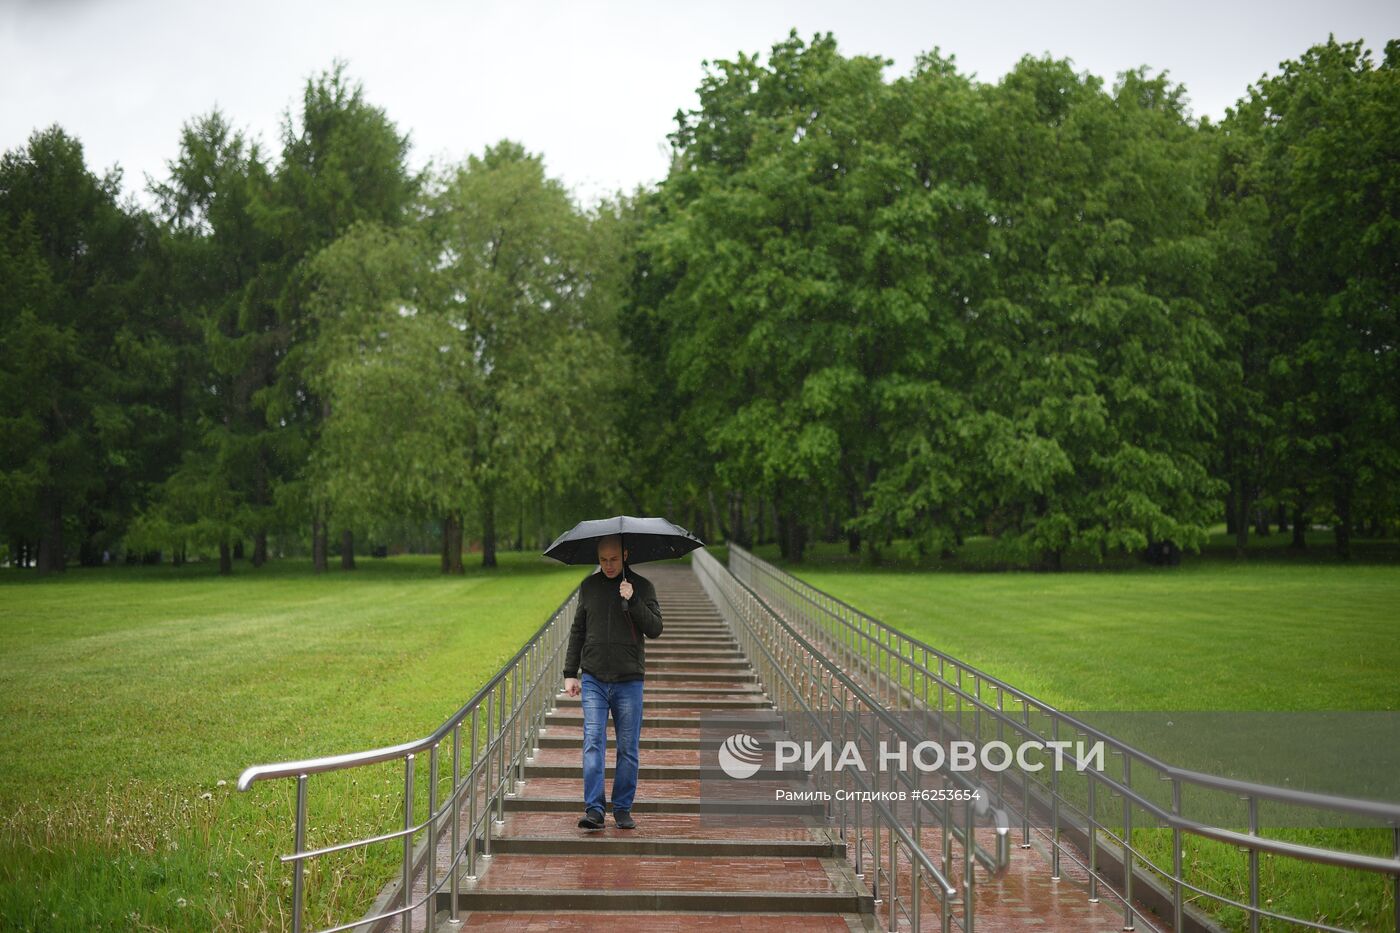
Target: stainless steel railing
<point x="502" y="722"/>
<point x="818" y="699"/>
<point x="906" y="673"/>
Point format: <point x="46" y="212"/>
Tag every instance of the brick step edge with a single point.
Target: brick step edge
<point x="719" y="809"/>
<point x="712" y="902"/>
<point x="666" y="845"/>
<point x="757" y="703"/>
<point x="651" y="772"/>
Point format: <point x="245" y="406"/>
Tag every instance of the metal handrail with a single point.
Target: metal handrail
<point x="515" y="701"/>
<point x="885" y="656"/>
<point x="793" y="669"/>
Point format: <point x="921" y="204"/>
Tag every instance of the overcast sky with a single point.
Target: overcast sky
<point x="592" y="85"/>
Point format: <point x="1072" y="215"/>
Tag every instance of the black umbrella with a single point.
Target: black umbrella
<point x="644" y="539"/>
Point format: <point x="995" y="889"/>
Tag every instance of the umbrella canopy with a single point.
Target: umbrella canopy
<point x="644" y="539"/>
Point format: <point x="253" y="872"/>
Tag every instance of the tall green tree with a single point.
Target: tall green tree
<point x="343" y="162"/>
<point x="220" y="255"/>
<point x="474" y="360"/>
<point x="1095" y="423"/>
<point x="779" y="308"/>
<point x="1311" y="150"/>
<point x="78" y="353"/>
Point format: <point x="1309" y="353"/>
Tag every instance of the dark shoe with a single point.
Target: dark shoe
<point x="592" y="819"/>
<point x="624" y="819"/>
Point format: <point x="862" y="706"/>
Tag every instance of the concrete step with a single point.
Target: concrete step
<point x="664" y="882"/>
<point x="689" y="701"/>
<point x="702" y="672"/>
<point x="544" y="832"/>
<point x="659" y="921"/>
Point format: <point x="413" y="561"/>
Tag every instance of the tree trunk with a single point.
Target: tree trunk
<point x="347" y="550"/>
<point x="452" y="545"/>
<point x="488" y="526"/>
<point x="51" y="557"/>
<point x="178" y="556"/>
<point x="1241" y="497"/>
<point x="225" y="558"/>
<point x="319" y="546"/>
<point x="717" y="521"/>
<point x="238" y="549"/>
<point x="853" y="509"/>
<point x="89" y="553"/>
<point x="1343" y="529"/>
<point x="737" y="523"/>
<point x="1281" y="518"/>
<point x="259" y="547"/>
<point x="1261" y="521"/>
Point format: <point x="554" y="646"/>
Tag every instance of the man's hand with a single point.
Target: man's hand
<point x="572" y="687"/>
<point x="625" y="589"/>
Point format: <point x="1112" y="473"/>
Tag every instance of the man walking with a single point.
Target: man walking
<point x="606" y="664"/>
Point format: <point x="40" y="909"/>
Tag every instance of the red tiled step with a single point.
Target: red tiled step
<point x="688" y="826"/>
<point x="660" y="882"/>
<point x="573" y="756"/>
<point x="693" y="701"/>
<point x="656" y="873"/>
<point x="664" y="834"/>
<point x="652" y="738"/>
<point x="700" y="673"/>
<point x="568" y="921"/>
<point x="716" y="687"/>
<point x="693" y="720"/>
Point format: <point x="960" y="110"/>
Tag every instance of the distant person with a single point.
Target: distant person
<point x="606" y="663"/>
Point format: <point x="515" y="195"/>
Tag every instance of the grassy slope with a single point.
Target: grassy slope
<point x="1279" y="631"/>
<point x="129" y="694"/>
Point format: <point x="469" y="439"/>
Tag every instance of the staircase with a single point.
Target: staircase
<point x="681" y="868"/>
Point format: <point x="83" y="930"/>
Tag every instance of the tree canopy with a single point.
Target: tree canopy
<point x="901" y="311"/>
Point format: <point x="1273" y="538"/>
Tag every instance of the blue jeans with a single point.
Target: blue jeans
<point x="624" y="701"/>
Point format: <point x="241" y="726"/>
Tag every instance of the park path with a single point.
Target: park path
<point x="681" y="869"/>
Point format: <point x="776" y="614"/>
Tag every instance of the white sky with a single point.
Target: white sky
<point x="592" y="85"/>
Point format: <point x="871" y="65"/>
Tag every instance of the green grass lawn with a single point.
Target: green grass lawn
<point x="1272" y="632"/>
<point x="132" y="698"/>
<point x="1277" y="630"/>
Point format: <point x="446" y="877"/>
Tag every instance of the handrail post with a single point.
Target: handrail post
<point x="1127" y="843"/>
<point x="473" y="772"/>
<point x="404" y="919"/>
<point x="1253" y="804"/>
<point x="1093" y="839"/>
<point x="454" y="911"/>
<point x="1055" y="810"/>
<point x="431" y="838"/>
<point x="1178" y="915"/>
<point x="969" y="843"/>
<point x="298" y="870"/>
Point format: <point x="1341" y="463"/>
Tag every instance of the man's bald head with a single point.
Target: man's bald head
<point x="611" y="555"/>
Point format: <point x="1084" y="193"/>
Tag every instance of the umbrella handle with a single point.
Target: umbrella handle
<point x="622" y="546"/>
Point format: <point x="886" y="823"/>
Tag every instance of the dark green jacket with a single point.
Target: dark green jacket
<point x="605" y="641"/>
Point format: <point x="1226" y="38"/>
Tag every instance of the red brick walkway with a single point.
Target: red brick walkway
<point x="682" y="870"/>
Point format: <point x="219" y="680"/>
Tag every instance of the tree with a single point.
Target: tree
<point x="470" y="362"/>
<point x="1311" y="150"/>
<point x="217" y="494"/>
<point x="76" y="343"/>
<point x="343" y="162"/>
<point x="778" y="317"/>
<point x="1095" y="421"/>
